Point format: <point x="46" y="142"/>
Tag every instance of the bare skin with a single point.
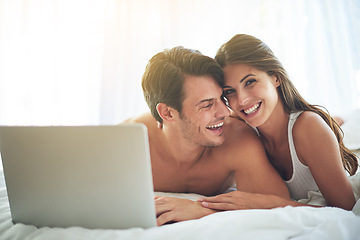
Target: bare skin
<point x="194" y="153"/>
<point x="214" y="171"/>
<point x="253" y="97"/>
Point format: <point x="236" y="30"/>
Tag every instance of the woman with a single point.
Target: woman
<point x="302" y="141"/>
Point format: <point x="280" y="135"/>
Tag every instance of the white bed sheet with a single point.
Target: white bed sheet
<point x="280" y="223"/>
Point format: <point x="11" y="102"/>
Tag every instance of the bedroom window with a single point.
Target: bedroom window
<point x="80" y="62"/>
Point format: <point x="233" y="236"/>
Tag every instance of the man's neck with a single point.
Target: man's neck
<point x="178" y="149"/>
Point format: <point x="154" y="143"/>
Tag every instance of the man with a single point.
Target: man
<point x="198" y="149"/>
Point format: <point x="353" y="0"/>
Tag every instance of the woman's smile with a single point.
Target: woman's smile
<point x="251" y="110"/>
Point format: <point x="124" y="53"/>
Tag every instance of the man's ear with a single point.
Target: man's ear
<point x="165" y="112"/>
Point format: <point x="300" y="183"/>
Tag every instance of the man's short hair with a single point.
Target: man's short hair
<point x="165" y="73"/>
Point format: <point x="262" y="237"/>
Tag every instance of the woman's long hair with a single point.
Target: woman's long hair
<point x="251" y="51"/>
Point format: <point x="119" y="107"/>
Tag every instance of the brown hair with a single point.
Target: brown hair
<point x="249" y="50"/>
<point x="165" y="73"/>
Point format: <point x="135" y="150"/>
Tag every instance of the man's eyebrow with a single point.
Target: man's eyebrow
<point x="204" y="100"/>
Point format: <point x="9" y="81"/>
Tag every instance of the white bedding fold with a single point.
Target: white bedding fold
<point x="280" y="223"/>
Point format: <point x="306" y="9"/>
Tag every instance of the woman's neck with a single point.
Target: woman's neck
<point x="274" y="131"/>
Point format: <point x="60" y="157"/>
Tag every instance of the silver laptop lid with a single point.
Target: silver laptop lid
<point x="88" y="176"/>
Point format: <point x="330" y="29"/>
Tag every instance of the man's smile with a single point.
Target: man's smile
<point x="215" y="126"/>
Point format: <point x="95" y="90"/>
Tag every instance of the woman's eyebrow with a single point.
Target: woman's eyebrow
<point x="246" y="77"/>
<point x="251" y="74"/>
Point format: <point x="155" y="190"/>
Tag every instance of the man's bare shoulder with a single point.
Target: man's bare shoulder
<point x="148" y="120"/>
<point x="241" y="144"/>
<point x="236" y="130"/>
<point x="145" y="118"/>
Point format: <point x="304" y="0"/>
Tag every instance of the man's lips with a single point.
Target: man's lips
<point x="215" y="126"/>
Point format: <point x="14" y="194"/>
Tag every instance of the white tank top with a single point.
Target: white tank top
<point x="301" y="181"/>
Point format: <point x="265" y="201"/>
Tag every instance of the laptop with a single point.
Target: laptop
<point x="96" y="177"/>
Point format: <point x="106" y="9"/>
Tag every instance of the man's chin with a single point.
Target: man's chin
<point x="215" y="144"/>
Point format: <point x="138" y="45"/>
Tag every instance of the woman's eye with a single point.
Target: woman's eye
<point x="227" y="92"/>
<point x="250" y="81"/>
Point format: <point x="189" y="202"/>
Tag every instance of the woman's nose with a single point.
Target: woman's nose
<point x="242" y="98"/>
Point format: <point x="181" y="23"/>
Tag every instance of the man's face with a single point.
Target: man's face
<point x="203" y="111"/>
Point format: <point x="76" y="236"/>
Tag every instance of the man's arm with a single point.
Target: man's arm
<point x="245" y="155"/>
<point x="258" y="183"/>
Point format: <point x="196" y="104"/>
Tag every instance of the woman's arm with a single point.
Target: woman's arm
<point x="317" y="147"/>
<point x="238" y="200"/>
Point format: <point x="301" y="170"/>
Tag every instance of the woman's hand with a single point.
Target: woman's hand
<point x="237" y="200"/>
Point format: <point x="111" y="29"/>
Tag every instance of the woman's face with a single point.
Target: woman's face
<point x="251" y="93"/>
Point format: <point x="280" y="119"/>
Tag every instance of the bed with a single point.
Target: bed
<point x="279" y="223"/>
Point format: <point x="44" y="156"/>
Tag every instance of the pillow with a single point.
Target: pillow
<point x="351" y="129"/>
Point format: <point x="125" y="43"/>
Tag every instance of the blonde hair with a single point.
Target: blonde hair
<point x="251" y="51"/>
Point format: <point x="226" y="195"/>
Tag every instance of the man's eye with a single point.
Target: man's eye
<point x="208" y="106"/>
<point x="227" y="92"/>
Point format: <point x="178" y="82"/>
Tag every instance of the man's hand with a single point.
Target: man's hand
<point x="171" y="209"/>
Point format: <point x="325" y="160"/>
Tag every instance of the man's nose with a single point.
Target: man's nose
<point x="222" y="110"/>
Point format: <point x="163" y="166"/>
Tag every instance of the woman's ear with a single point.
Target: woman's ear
<point x="164" y="111"/>
<point x="276" y="80"/>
